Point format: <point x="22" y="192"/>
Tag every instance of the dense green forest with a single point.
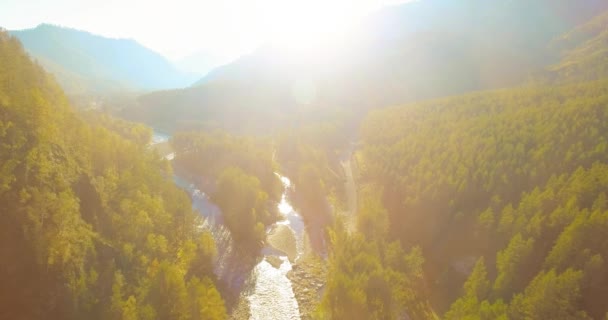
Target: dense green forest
<point x="513" y="176"/>
<point x="369" y="277"/>
<point x="91" y="226"/>
<point x="239" y="174"/>
<point x="482" y="205"/>
<point x="502" y="188"/>
<point x="455" y="173"/>
<point x="224" y="164"/>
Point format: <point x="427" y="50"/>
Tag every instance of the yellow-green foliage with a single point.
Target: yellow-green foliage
<point x="244" y="206"/>
<point x="91" y="224"/>
<point x="373" y="279"/>
<point x="207" y="155"/>
<point x="517" y="176"/>
<point x="584" y="53"/>
<point x="450" y="159"/>
<point x="239" y="174"/>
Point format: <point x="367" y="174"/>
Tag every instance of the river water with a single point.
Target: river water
<point x="266" y="288"/>
<point x="160" y="137"/>
<point x="272" y="296"/>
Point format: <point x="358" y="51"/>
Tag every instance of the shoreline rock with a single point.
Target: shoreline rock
<point x="283" y="239"/>
<point x="308" y="282"/>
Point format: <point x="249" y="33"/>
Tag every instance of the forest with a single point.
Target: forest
<point x="239" y="174"/>
<point x="511" y="179"/>
<point x="97" y="228"/>
<point x="501" y="194"/>
<point x="484" y="198"/>
<point x="504" y="176"/>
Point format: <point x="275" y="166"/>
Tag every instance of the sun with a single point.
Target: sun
<point x="314" y="26"/>
<point x="232" y="28"/>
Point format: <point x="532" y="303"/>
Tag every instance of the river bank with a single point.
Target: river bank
<point x="308" y="278"/>
<point x="285" y="282"/>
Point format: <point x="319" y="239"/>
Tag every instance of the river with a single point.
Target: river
<point x="266" y="288"/>
<point x="273" y="296"/>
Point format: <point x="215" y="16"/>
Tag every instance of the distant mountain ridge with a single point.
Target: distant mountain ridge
<point x="414" y="51"/>
<point x="87" y="63"/>
<point x="201" y="63"/>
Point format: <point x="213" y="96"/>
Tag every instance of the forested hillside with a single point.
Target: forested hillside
<point x="480" y="192"/>
<point x="91" y="225"/>
<point x="512" y="176"/>
<point x="584" y="53"/>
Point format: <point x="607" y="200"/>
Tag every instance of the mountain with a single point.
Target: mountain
<point x="413" y="51"/>
<point x="88" y="63"/>
<point x="584" y="52"/>
<point x="503" y="190"/>
<point x="200" y="63"/>
<point x="92" y="225"/>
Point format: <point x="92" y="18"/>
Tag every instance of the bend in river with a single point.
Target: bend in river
<point x="273" y="296"/>
<point x="266" y="287"/>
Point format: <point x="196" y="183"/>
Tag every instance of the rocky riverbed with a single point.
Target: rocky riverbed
<point x="308" y="281"/>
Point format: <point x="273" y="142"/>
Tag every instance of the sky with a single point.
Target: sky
<point x="181" y="28"/>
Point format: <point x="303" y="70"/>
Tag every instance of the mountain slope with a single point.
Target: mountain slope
<point x="86" y="63"/>
<point x="200" y="63"/>
<point x="414" y="51"/>
<point x="92" y="225"/>
<point x="514" y="179"/>
<point x="585" y="52"/>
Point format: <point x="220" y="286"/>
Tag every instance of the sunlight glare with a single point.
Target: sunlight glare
<point x="314" y="26"/>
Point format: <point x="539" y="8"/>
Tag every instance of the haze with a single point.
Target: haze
<point x="355" y="160"/>
<point x="223" y="29"/>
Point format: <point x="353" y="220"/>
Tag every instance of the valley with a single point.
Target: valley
<point x="434" y="160"/>
<point x="265" y="289"/>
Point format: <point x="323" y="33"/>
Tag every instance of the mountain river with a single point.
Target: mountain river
<point x="266" y="288"/>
